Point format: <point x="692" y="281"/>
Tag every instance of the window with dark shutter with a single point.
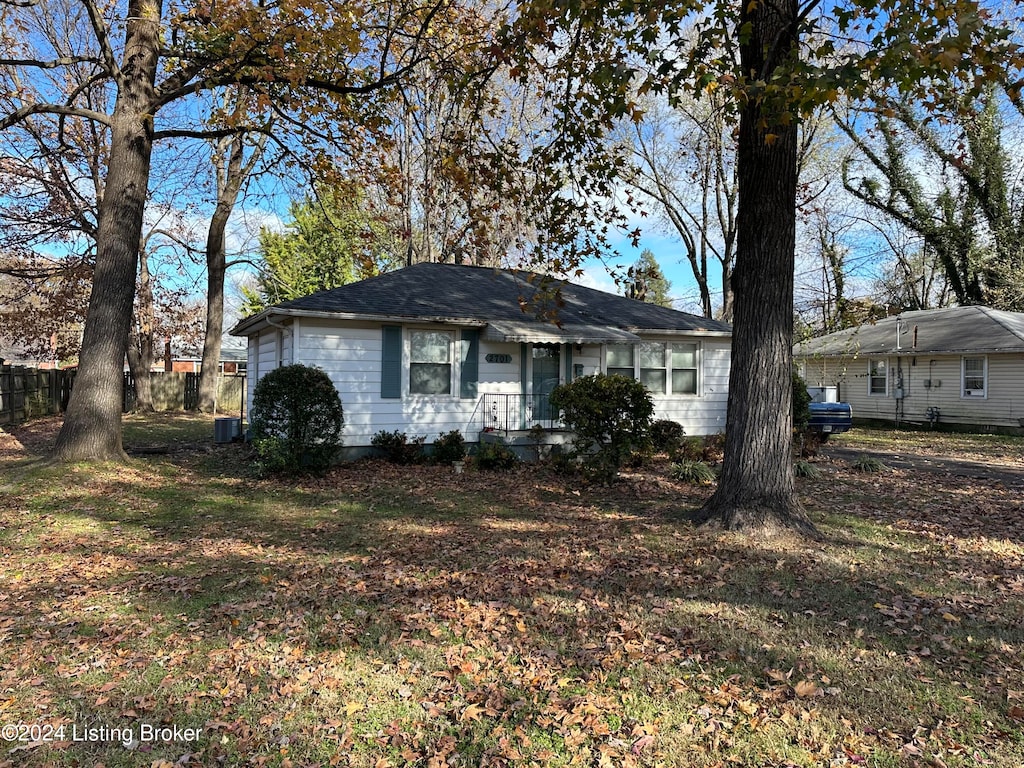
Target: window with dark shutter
<point x="470" y="360"/>
<point x="391" y="361"/>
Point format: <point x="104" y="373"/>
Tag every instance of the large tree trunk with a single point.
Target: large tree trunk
<point x="92" y="424"/>
<point x="140" y="362"/>
<point x="230" y="172"/>
<point x="756" y="490"/>
<point x="213" y="340"/>
<point x="140" y="340"/>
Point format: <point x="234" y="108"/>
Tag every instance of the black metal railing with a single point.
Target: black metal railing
<point x="510" y="413"/>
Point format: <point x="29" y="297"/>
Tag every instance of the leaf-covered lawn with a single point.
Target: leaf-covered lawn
<point x="408" y="616"/>
<point x="998" y="451"/>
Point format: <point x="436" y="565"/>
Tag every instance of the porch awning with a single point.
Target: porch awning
<point x="547" y="333"/>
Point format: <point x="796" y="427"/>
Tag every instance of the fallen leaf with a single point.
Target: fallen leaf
<point x="805" y="689"/>
<point x="354" y="706"/>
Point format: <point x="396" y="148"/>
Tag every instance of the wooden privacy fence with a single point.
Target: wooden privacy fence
<point x="27" y="393"/>
<point x="175" y="391"/>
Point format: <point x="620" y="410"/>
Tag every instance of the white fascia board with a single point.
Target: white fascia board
<point x="263" y="319"/>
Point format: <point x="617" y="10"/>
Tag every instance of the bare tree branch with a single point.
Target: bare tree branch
<point x="13" y="118"/>
<point x="213" y="133"/>
<point x="63" y="61"/>
<point x="100" y="29"/>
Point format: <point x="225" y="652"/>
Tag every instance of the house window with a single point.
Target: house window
<point x="656" y="365"/>
<point x="430" y="362"/>
<point x="652" y="366"/>
<point x="619" y="360"/>
<point x="878" y="377"/>
<point x="974" y="376"/>
<point x="684" y="369"/>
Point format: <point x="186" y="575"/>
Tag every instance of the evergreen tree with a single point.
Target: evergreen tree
<point x="648" y="282"/>
<point x="331" y="240"/>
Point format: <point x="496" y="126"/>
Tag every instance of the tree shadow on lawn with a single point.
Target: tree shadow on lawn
<point x="391" y="564"/>
<point x="594" y="546"/>
<point x="548" y="547"/>
<point x="596" y="617"/>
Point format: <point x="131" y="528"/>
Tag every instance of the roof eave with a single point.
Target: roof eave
<point x="252" y="324"/>
<point x="913" y="352"/>
<point x="679" y="332"/>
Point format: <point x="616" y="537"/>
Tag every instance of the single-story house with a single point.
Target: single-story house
<point x="955" y="366"/>
<point x="437" y="347"/>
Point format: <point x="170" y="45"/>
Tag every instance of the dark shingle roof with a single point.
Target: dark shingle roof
<point x="951" y="330"/>
<point x="459" y="293"/>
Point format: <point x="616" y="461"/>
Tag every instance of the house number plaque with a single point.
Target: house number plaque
<point x="492" y="358"/>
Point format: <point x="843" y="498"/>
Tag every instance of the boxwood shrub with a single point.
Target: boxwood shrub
<point x="296" y="420"/>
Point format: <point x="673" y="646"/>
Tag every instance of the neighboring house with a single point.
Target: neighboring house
<point x="13" y="355"/>
<point x="960" y="365"/>
<point x="232" y="362"/>
<point x="437" y="347"/>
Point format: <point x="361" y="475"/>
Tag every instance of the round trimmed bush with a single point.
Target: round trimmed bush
<point x="611" y="416"/>
<point x="296" y="419"/>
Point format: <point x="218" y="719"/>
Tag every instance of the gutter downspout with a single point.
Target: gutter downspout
<point x="283" y="329"/>
<point x="252" y="380"/>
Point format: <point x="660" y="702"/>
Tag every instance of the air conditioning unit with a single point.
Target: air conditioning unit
<point x="226" y="430"/>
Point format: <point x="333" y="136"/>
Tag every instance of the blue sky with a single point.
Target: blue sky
<point x="670" y="257"/>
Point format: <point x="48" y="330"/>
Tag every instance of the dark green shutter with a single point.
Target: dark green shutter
<point x="523" y="357"/>
<point x="391" y="361"/>
<point x="568" y="363"/>
<point x="470" y="363"/>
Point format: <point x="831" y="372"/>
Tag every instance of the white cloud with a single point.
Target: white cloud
<point x="245" y="225"/>
<point x="596" y="276"/>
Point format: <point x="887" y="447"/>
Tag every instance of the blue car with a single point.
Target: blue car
<point x="830" y="418"/>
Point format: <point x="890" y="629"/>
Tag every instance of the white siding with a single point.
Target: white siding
<point x="589" y="357"/>
<point x="499" y="378"/>
<point x="263" y="354"/>
<point x="929" y="381"/>
<point x="252" y="370"/>
<point x="351" y="354"/>
<point x="703" y="413"/>
<point x="700" y="414"/>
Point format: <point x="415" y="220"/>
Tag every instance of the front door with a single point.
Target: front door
<point x="546" y="367"/>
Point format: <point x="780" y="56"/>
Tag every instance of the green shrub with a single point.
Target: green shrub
<point x="689" y="449"/>
<point x="296" y="420"/>
<point x="806" y="469"/>
<point x="611" y="416"/>
<point x="495" y="456"/>
<point x="713" y="449"/>
<point x="399" y="448"/>
<point x="693" y="472"/>
<point x="801" y="403"/>
<point x="640" y="457"/>
<point x="449" y="447"/>
<point x="666" y="435"/>
<point x="869" y="464"/>
<point x="563" y="464"/>
<point x="708" y="449"/>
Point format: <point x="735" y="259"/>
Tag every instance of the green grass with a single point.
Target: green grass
<point x="868" y="464"/>
<point x="991" y="448"/>
<point x="398" y="615"/>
